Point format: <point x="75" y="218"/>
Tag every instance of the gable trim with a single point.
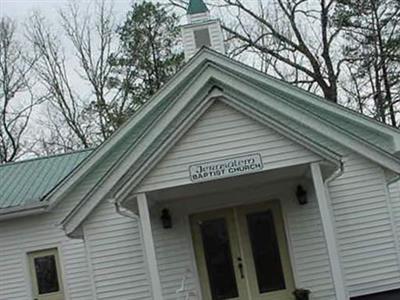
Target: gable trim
<point x="125" y="188"/>
<point x="265" y="79"/>
<point x="317" y="124"/>
<point x="71" y="222"/>
<point x="276" y="125"/>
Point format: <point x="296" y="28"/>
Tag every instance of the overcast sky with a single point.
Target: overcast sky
<point x="22" y="8"/>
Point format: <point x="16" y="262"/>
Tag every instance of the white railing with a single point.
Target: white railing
<point x="183" y="293"/>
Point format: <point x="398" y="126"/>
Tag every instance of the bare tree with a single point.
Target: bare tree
<point x="88" y="116"/>
<point x="296" y="35"/>
<point x="303" y="30"/>
<point x="95" y="44"/>
<point x="52" y="71"/>
<point x="16" y="94"/>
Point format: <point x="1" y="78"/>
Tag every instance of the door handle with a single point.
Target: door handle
<point x="240" y="266"/>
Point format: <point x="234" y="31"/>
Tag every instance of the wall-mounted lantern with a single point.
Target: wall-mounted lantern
<point x="301" y="195"/>
<point x="166" y="219"/>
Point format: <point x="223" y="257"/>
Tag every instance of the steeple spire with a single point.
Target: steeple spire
<point x="201" y="30"/>
<point x="196" y="7"/>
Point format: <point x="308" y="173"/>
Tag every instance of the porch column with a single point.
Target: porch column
<point x="329" y="230"/>
<point x="148" y="242"/>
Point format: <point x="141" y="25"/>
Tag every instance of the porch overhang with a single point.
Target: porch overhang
<point x="298" y="173"/>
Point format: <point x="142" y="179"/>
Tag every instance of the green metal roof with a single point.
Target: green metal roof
<point x="27" y="182"/>
<point x="196" y="7"/>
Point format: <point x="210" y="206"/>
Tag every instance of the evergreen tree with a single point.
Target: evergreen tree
<point x="372" y="48"/>
<point x="150" y="52"/>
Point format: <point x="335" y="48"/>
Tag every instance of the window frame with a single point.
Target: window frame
<point x="31" y="255"/>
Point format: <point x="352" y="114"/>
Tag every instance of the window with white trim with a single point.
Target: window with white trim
<point x="45" y="273"/>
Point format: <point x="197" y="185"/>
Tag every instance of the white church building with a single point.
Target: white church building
<point x="227" y="184"/>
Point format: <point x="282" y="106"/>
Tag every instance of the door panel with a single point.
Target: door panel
<point x="218" y="258"/>
<point x="265" y="250"/>
<point x="241" y="253"/>
<point x="215" y="242"/>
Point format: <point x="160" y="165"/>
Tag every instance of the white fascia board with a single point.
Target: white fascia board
<point x="298" y="138"/>
<point x="263" y="78"/>
<point x="169" y="88"/>
<point x="204" y="23"/>
<point x="90" y="201"/>
<point x="22" y="211"/>
<point x="336" y="134"/>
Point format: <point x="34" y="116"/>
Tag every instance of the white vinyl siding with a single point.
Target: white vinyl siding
<point x="309" y="248"/>
<point x="222" y="132"/>
<point x="394" y="190"/>
<point x="175" y="263"/>
<point x="116" y="255"/>
<point x="364" y="228"/>
<point x="33" y="233"/>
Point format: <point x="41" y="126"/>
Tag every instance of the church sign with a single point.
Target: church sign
<point x="234" y="166"/>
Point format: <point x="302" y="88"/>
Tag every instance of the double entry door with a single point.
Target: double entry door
<point x="241" y="253"/>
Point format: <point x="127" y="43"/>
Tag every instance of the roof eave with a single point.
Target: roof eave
<point x="22" y="211"/>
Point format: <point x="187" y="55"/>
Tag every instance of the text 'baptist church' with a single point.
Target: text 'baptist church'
<point x="226" y="168"/>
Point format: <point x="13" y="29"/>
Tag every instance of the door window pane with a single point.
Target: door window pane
<point x="265" y="249"/>
<point x="46" y="274"/>
<point x="218" y="259"/>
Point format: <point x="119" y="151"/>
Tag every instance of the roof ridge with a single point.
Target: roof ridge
<point x="46" y="157"/>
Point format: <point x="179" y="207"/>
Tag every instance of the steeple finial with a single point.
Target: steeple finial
<point x="196" y="7"/>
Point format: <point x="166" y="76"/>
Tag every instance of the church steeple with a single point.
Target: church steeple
<point x="201" y="30"/>
<point x="196" y="7"/>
